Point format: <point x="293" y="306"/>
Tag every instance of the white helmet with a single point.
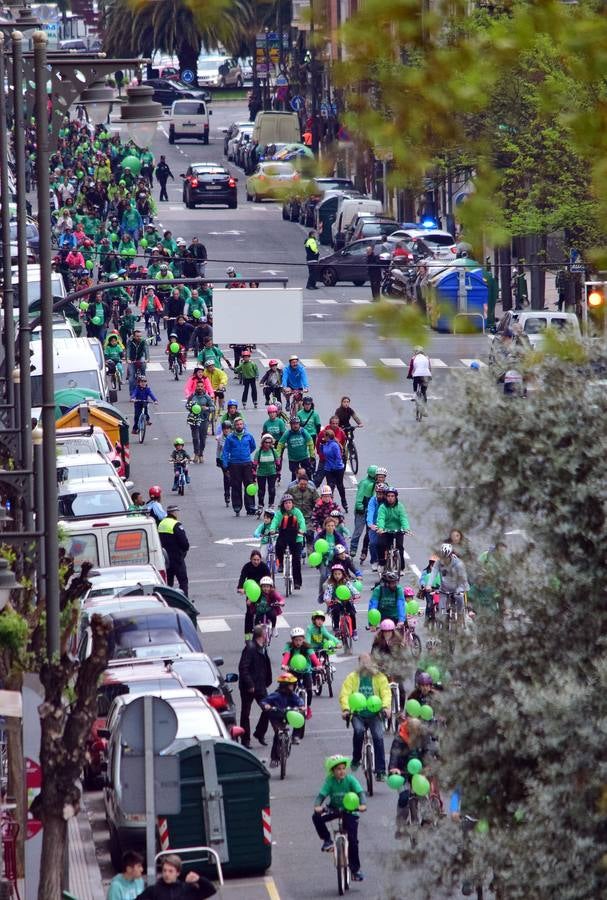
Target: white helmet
<point x="446" y="550"/>
<point x="381" y="470"/>
<point x="266" y="580"/>
<point x="297" y="632"/>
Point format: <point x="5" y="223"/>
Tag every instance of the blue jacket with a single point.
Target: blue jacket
<point x="296" y="378"/>
<point x="333" y="458"/>
<point x="372" y="510"/>
<point x="238" y="448"/>
<point x="143" y="395"/>
<point x="282" y="700"/>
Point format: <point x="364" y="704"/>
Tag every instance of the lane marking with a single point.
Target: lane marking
<point x="393" y="362"/>
<point x="438" y="363"/>
<point x="326" y="301"/>
<point x="271" y="888"/>
<point x="467" y="362"/>
<point x="313" y="363"/>
<point x="207" y="626"/>
<point x="360" y="301"/>
<point x="356" y="363"/>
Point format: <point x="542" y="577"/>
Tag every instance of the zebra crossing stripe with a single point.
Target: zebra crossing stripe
<point x="393" y="362"/>
<point x="438" y="364"/>
<point x="467" y="362"/>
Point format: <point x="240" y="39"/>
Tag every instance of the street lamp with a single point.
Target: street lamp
<point x="97" y="100"/>
<point x="8" y="582"/>
<point x="140" y="114"/>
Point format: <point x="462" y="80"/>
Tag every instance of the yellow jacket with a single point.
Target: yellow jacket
<point x="381" y="687"/>
<point x="217" y="378"/>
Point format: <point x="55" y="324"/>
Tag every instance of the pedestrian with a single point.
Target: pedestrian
<point x="163" y="173"/>
<point x="299" y="445"/>
<point x="169" y="886"/>
<point x="312" y="256"/>
<point x="560" y="282"/>
<point x="334" y="465"/>
<point x="154" y="506"/>
<point x="249" y="372"/>
<point x="374" y="269"/>
<point x="236" y="456"/>
<point x="199" y="405"/>
<point x="129" y="883"/>
<point x="175" y="544"/>
<point x="198" y="252"/>
<point x="255" y="676"/>
<point x="226" y="429"/>
<point x="266" y="462"/>
<point x="366" y="488"/>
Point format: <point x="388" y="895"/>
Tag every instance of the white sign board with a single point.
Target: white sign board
<point x="258" y="315"/>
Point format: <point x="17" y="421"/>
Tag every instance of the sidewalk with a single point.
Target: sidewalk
<point x="84" y="875"/>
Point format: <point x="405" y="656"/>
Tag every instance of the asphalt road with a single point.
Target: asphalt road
<point x="259" y="242"/>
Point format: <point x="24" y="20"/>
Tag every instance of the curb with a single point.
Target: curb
<point x="84" y="874"/>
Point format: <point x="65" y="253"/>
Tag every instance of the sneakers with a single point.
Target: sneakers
<point x="255" y="405"/>
<point x="296" y="740"/>
<point x="358" y="876"/>
<point x="355" y="635"/>
<point x="244" y="405"/>
<point x="327" y="846"/>
<point x="309" y="712"/>
<point x="374" y="567"/>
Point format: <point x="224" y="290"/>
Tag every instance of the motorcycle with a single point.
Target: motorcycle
<point x="397" y="282"/>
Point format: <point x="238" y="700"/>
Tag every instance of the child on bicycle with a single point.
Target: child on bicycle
<point x="274" y="707"/>
<point x="141" y="396"/>
<point x="428" y="586"/>
<point x="264" y="528"/>
<point x="329" y="805"/>
<point x="113" y="352"/>
<point x="268" y="606"/>
<point x="127" y="324"/>
<point x="389" y="598"/>
<point x="411" y="742"/>
<point x="180" y="459"/>
<point x="316" y="633"/>
<point x="298" y="646"/>
<point x="335" y="605"/>
<point x="341" y="555"/>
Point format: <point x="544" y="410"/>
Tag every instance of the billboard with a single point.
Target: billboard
<point x="258" y="315"/>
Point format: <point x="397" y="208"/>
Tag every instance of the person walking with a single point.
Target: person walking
<point x="249" y="372"/>
<point x="254" y="678"/>
<point x="199" y="405"/>
<point x="374" y="268"/>
<point x="236" y="457"/>
<point x="312" y="256"/>
<point x="163" y="173"/>
<point x="299" y="446"/>
<point x="334" y="465"/>
<point x="175" y="544"/>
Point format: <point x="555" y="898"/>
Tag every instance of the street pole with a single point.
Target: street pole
<point x="49" y="457"/>
<point x="25" y="380"/>
<point x="9" y="320"/>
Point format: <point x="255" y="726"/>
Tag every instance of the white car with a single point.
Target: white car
<point x="219" y="71"/>
<point x="441" y="243"/>
<point x="83" y="465"/>
<point x="110" y="580"/>
<point x="245" y="128"/>
<point x="534" y="322"/>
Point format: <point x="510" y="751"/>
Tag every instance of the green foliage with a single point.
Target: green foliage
<point x="13" y="631"/>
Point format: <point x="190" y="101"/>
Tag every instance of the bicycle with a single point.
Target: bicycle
<point x="284" y="737"/>
<point x="392" y="561"/>
<point x="340" y="856"/>
<point x="142" y="422"/>
<point x="175" y="364"/>
<point x="391" y="721"/>
<point x="300" y="691"/>
<point x="448" y="619"/>
<point x="212" y="421"/>
<point x="324" y="675"/>
<point x="268" y="628"/>
<point x="114" y="378"/>
<point x="421" y="401"/>
<point x="181" y="480"/>
<point x="345" y="631"/>
<point x="418" y="812"/>
<point x="287" y="571"/>
<point x="271" y="557"/>
<point x="412" y="639"/>
<point x="152" y="329"/>
<point x="351" y="451"/>
<point x="367" y="755"/>
<point x="293" y="400"/>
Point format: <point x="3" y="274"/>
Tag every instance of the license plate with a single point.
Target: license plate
<point x="213" y="187"/>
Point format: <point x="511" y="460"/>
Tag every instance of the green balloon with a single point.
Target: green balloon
<point x="298" y="662"/>
<point x="395" y="781"/>
<point x="196" y="409"/>
<point x="84" y="306"/>
<point x="321" y="546"/>
<point x="252" y="590"/>
<point x="374" y="704"/>
<point x="426" y="713"/>
<point x="144" y="242"/>
<point x="174" y="347"/>
<point x="342" y="592"/>
<point x="89" y="264"/>
<point x="132" y="163"/>
<point x="351" y="801"/>
<point x="412" y="607"/>
<point x="358" y="586"/>
<point x="329" y="646"/>
<point x="374" y="617"/>
<point x="414" y="766"/>
<point x="295" y="718"/>
<point x="314" y="560"/>
<point x="357" y="701"/>
<point x="197" y="314"/>
<point x="413" y="708"/>
<point x="519" y="815"/>
<point x="434" y="673"/>
<point x="420" y="785"/>
<point x="252" y="489"/>
<point x="97" y="320"/>
<point x="482" y="826"/>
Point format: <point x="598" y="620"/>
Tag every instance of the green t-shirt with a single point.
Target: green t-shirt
<point x="121" y="889"/>
<point x="297" y="444"/>
<point x="276" y="427"/>
<point x="336" y="790"/>
<point x="266" y="461"/>
<point x="365" y="687"/>
<point x="310" y="421"/>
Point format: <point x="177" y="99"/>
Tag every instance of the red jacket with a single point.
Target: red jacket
<point x="340" y="437"/>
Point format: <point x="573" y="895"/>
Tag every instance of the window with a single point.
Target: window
<point x="81" y="547"/>
<point x="128" y="547"/>
<point x="98" y="503"/>
<point x="99" y="470"/>
<point x="64" y="380"/>
<point x="187" y="108"/>
<point x="535" y="326"/>
<point x="443" y="240"/>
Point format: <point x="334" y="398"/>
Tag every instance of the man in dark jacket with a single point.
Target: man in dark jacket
<point x="175" y="544"/>
<point x="199" y="253"/>
<point x="170" y="887"/>
<point x="255" y="676"/>
<point x="374" y="269"/>
<point x="163" y="173"/>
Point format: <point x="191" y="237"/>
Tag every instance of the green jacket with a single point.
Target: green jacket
<point x="247" y="369"/>
<point x="365" y="490"/>
<point x="299" y="445"/>
<point x="316" y="637"/>
<point x="392" y="518"/>
<point x="276" y="427"/>
<point x="301" y="524"/>
<point x="336" y="790"/>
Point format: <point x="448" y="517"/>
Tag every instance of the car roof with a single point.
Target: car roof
<point x="121" y="607"/>
<point x="111" y="520"/>
<point x="427" y="232"/>
<point x="131" y="674"/>
<point x="206" y="165"/>
<point x="83" y="459"/>
<point x="123" y="574"/>
<point x="91" y="485"/>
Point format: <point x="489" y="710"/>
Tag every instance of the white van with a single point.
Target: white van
<point x="189" y="119"/>
<point x="74" y="366"/>
<point x="533" y="322"/>
<point x="276" y="128"/>
<point x="123" y="540"/>
<point x="347" y="210"/>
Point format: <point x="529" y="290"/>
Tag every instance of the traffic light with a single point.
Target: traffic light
<point x="595" y="295"/>
<point x="596" y="304"/>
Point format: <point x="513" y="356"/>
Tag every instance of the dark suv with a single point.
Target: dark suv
<point x="167" y="92"/>
<point x="209" y="183"/>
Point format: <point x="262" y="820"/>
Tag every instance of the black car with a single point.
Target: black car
<point x="301" y="210"/>
<point x="166" y="92"/>
<point x="209" y="183"/>
<point x="197" y="670"/>
<point x="349" y="264"/>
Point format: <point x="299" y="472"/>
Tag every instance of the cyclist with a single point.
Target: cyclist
<point x="411" y="742"/>
<point x="197" y="377"/>
<point x="453" y="578"/>
<point x="423" y="691"/>
<point x="299" y="446"/>
<point x="265" y="466"/>
<point x="263" y="530"/>
<point x="273" y="425"/>
<point x="154" y="506"/>
<point x="337" y="784"/>
<point x="151" y="307"/>
<point x="308" y="417"/>
<point x="137" y="355"/>
<point x="387" y="651"/>
<point x="271" y="381"/>
<point x="372" y="511"/>
<point x="211" y="351"/>
<point x="388" y="597"/>
<point x="369" y="681"/>
<point x="253" y="570"/>
<point x="141" y="396"/>
<point x="294" y="377"/>
<point x="328" y="534"/>
<point x="249" y="372"/>
<point x="270" y="605"/>
<point x="392" y="523"/>
<point x="180" y="459"/>
<point x="218" y="380"/>
<point x="232" y="413"/>
<point x="304" y="496"/>
<point x="290" y="526"/>
<point x="199" y="405"/>
<point x="345" y="413"/>
<point x="274" y="707"/>
<point x="340" y="555"/>
<point x="113" y="352"/>
<point x="336" y="606"/>
<point x="420" y="370"/>
<point x="297" y="646"/>
<point x="323" y="507"/>
<point x="316" y="633"/>
<point x="375" y="475"/>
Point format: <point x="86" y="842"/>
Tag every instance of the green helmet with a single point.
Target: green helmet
<point x="318" y="614"/>
<point x="335" y="760"/>
<point x="179" y="441"/>
<point x="371" y="471"/>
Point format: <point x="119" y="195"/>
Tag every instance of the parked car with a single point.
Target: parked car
<point x="83" y="498"/>
<point x="271" y="180"/>
<point x="113" y="540"/>
<point x="533" y="323"/>
<point x="189" y="119"/>
<point x="209" y="183"/>
<point x="88" y="439"/>
<point x="349" y="264"/>
<point x="237" y="138"/>
<point x="220" y="71"/>
<point x="108" y="581"/>
<point x="197" y="670"/>
<point x="304" y="211"/>
<point x="74" y="45"/>
<point x="151" y="633"/>
<point x="167" y="92"/>
<point x="441" y="243"/>
<point x="230" y="132"/>
<point x="61" y="329"/>
<point x="82" y="466"/>
<point x="366" y="226"/>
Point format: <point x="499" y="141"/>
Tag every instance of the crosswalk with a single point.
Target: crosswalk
<point x="389" y="362"/>
<point x="215" y="624"/>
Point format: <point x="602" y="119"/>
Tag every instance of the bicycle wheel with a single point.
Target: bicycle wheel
<point x="142" y="426"/>
<point x="368" y="762"/>
<point x="286" y="566"/>
<point x="329" y="679"/>
<point x="416" y="646"/>
<point x="346" y="635"/>
<point x="418" y="405"/>
<point x="341" y="864"/>
<point x="181" y="486"/>
<point x="318" y="682"/>
<point x="283" y="751"/>
<point x="353" y="457"/>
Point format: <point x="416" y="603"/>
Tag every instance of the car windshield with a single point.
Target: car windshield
<point x="151" y="650"/>
<point x="63" y="381"/>
<point x="370" y="229"/>
<point x="443" y="240"/>
<point x="195" y="672"/>
<point x="91" y="470"/>
<point x="76" y="445"/>
<point x="188" y="108"/>
<point x="278" y="169"/>
<point x="210" y="65"/>
<point x="36" y="334"/>
<point x="91" y="503"/>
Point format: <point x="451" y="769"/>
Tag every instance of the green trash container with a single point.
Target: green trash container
<point x="245" y="782"/>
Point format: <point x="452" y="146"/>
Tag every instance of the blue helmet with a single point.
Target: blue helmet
<point x="232" y="403"/>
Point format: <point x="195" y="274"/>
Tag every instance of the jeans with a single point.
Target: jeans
<point x="320" y="473"/>
<point x="373" y="546"/>
<point x="252" y="384"/>
<point x="335" y="479"/>
<point x="226" y="480"/>
<point x="241" y="474"/>
<point x="270" y="481"/>
<point x="360" y="519"/>
<point x="351" y="826"/>
<point x="376" y="727"/>
<point x="199" y="437"/>
<point x="163" y="189"/>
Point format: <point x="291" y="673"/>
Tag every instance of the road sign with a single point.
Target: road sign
<point x="297" y="103"/>
<point x="281" y="81"/>
<point x="167" y="790"/>
<point x="577" y="267"/>
<point x="188" y="76"/>
<point x="164" y="724"/>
